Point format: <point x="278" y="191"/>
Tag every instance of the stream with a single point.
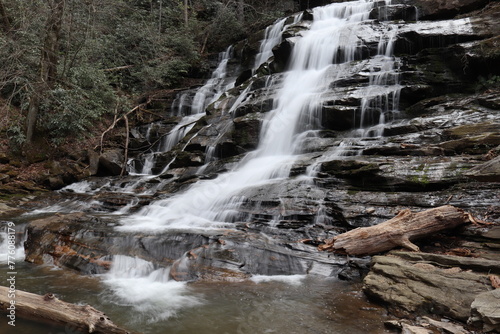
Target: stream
<point x="225" y="221"/>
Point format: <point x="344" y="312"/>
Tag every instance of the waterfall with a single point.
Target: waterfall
<point x="272" y="38"/>
<point x="210" y="92"/>
<point x="214" y="203"/>
<point x="214" y="87"/>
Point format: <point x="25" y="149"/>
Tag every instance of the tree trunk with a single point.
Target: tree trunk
<point x="48" y="64"/>
<point x="397" y="231"/>
<point x="34" y="106"/>
<point x="6" y="26"/>
<point x="186" y="17"/>
<point x="241" y="10"/>
<point x="50" y="309"/>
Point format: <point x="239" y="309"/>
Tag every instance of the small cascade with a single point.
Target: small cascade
<point x="179" y="131"/>
<point x="12" y="240"/>
<point x="148" y="290"/>
<point x="272" y="38"/>
<point x="215" y="86"/>
<point x="382" y="95"/>
<point x="191" y="110"/>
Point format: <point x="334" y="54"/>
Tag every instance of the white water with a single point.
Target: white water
<point x="13" y="251"/>
<point x="210" y="92"/>
<point x="214" y="87"/>
<point x="271" y="39"/>
<point x="137" y="283"/>
<point x="290" y="279"/>
<point x="214" y="203"/>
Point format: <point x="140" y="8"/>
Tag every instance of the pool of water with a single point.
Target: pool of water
<point x="304" y="304"/>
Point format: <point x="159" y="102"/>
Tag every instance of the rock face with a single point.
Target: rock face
<point x="110" y="163"/>
<point x="428" y="283"/>
<point x="446" y="8"/>
<point x="485" y="311"/>
<point x="68" y="241"/>
<point x="487" y="172"/>
<point x="359" y="161"/>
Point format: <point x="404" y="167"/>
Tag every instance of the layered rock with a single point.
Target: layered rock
<point x="438" y="147"/>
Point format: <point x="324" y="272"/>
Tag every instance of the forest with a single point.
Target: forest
<point x="68" y="65"/>
<point x="249" y="166"/>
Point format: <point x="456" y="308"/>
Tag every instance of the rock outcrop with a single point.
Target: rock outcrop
<point x="358" y="164"/>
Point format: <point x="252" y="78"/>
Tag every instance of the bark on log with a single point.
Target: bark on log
<point x="397" y="231"/>
<point x="48" y="308"/>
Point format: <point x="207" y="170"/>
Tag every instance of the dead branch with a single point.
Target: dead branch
<point x="112" y="126"/>
<point x="48" y="308"/>
<point x="398" y="231"/>
<point x="127" y="139"/>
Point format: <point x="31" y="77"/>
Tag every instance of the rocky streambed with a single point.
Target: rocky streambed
<point x="426" y="136"/>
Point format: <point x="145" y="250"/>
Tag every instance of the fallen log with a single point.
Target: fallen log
<point x="398" y="231"/>
<point x="48" y="308"/>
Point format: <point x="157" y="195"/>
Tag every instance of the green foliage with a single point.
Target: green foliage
<point x="492" y="81"/>
<point x="16" y="136"/>
<point x="113" y="48"/>
<point x="72" y="109"/>
<point x="226" y="27"/>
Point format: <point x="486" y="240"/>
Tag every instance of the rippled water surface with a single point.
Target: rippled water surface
<point x="297" y="304"/>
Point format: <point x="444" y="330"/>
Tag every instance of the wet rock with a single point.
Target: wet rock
<point x="487" y="172"/>
<point x="485" y="312"/>
<point x="110" y="163"/>
<point x="426" y="287"/>
<point x="4" y="158"/>
<point x="395" y="12"/>
<point x="403" y="174"/>
<point x="87" y="244"/>
<point x="340" y="117"/>
<point x="188" y="159"/>
<point x="244" y="76"/>
<point x="237" y="255"/>
<point x="282" y="53"/>
<point x="474" y="144"/>
<point x="443" y="9"/>
<point x="246" y="131"/>
<point x="307" y="15"/>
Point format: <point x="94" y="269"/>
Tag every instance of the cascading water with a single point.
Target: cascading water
<point x="272" y="38"/>
<point x="149" y="290"/>
<point x="280" y="166"/>
<point x="318" y="59"/>
<point x="214" y="203"/>
<point x="208" y="93"/>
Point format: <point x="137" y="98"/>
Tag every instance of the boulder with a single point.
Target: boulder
<point x="4" y="159"/>
<point x="487" y="172"/>
<point x="282" y="53"/>
<point x="429" y="285"/>
<point x="110" y="163"/>
<point x="485" y="311"/>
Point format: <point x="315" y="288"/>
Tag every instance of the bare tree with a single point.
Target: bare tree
<point x="6" y="26"/>
<point x="186" y="17"/>
<point x="48" y="64"/>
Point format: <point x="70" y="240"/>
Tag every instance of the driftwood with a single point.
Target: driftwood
<point x="397" y="231"/>
<point x="48" y="308"/>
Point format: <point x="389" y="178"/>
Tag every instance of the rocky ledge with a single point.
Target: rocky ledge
<point x="459" y="283"/>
